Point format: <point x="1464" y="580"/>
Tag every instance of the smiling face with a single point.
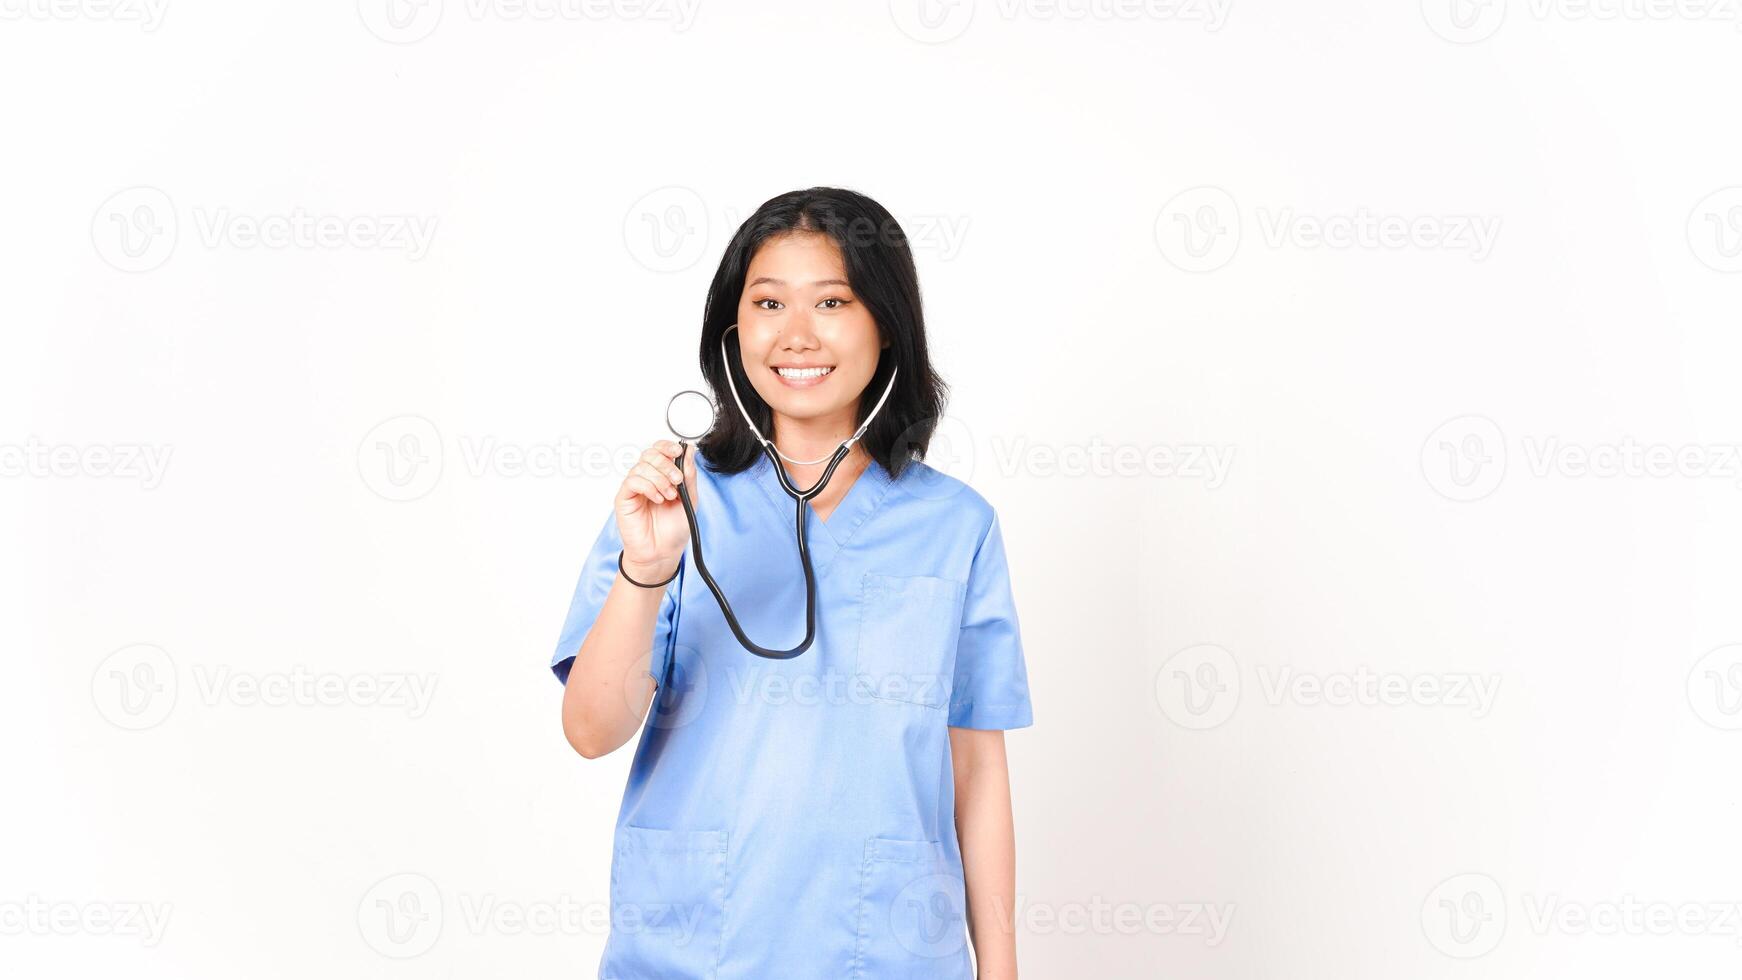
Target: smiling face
<point x="808" y="344"/>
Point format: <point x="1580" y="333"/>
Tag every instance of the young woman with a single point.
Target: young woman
<point x="844" y="812"/>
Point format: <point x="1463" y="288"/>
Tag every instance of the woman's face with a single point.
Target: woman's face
<point x="809" y="346"/>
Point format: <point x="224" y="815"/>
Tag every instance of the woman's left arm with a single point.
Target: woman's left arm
<point x="987" y="833"/>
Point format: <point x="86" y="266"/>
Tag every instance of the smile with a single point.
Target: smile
<point x="803" y="377"/>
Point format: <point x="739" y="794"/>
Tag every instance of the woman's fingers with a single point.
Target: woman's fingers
<point x="660" y="476"/>
<point x="662" y="461"/>
<point x="637" y="485"/>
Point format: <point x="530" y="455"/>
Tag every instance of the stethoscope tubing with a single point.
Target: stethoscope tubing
<point x="801" y="504"/>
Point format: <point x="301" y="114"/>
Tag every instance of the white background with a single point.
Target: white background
<point x="1130" y="227"/>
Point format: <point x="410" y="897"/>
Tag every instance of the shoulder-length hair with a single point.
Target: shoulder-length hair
<point x="881" y="273"/>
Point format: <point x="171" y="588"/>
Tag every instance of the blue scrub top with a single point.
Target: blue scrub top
<point x="796" y="818"/>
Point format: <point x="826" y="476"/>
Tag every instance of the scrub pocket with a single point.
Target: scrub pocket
<point x="912" y="914"/>
<point x="908" y="628"/>
<point x="668" y="892"/>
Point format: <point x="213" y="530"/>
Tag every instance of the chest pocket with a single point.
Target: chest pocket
<point x="908" y="628"/>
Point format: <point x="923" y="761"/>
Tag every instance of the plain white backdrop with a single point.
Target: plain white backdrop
<point x="1356" y="383"/>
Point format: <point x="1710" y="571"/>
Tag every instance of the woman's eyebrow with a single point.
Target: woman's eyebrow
<point x="759" y="280"/>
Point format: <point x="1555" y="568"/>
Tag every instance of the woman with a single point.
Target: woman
<point x="844" y="812"/>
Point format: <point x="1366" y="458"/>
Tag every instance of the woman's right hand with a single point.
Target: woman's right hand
<point x="650" y="515"/>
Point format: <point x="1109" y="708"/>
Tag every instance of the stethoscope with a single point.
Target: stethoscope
<point x="689" y="415"/>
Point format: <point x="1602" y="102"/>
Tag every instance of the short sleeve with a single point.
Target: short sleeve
<point x="597" y="576"/>
<point x="991" y="678"/>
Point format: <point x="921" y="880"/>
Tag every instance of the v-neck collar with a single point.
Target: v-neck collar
<point x="850" y="514"/>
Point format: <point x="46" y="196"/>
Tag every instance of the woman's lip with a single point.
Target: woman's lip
<point x="801" y="382"/>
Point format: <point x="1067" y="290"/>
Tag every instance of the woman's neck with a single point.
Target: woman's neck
<point x="816" y="438"/>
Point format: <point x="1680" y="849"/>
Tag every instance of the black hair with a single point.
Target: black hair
<point x="881" y="273"/>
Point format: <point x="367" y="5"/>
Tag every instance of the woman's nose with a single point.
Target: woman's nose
<point x="798" y="333"/>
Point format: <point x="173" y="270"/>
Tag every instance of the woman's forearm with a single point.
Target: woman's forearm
<point x="608" y="690"/>
<point x="986" y="830"/>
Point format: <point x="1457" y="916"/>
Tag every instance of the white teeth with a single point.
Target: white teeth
<point x="800" y="374"/>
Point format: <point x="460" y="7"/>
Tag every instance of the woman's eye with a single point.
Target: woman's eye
<point x="758" y="304"/>
<point x="838" y="303"/>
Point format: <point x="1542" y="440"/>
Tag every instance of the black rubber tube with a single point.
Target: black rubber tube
<point x="801" y="505"/>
